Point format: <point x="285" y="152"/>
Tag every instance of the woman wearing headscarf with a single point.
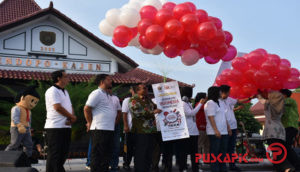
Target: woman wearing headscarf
<point x="274" y="132"/>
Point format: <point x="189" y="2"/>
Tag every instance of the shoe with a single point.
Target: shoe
<point x="126" y="167"/>
<point x="88" y="167"/>
<point x="234" y="168"/>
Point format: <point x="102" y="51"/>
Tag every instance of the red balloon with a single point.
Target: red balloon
<point x="216" y="21"/>
<point x="118" y="44"/>
<point x="171" y="50"/>
<point x="134" y="31"/>
<point x="231" y="54"/>
<point x="206" y="31"/>
<point x="235" y="91"/>
<point x="169" y="5"/>
<point x="192" y="6"/>
<point x="274" y="58"/>
<point x="155" y="33"/>
<point x="249" y="89"/>
<point x="221" y="81"/>
<point x="292" y="83"/>
<point x="173" y="28"/>
<point x="146" y="43"/>
<point x="192" y="37"/>
<point x="240" y="64"/>
<point x="255" y="59"/>
<point x="122" y="34"/>
<point x="226" y="74"/>
<point x="211" y="60"/>
<point x="189" y="22"/>
<point x="202" y="16"/>
<point x="235" y="76"/>
<point x="284" y="72"/>
<point x="143" y="25"/>
<point x="228" y="37"/>
<point x="270" y="67"/>
<point x="249" y="74"/>
<point x="261" y="51"/>
<point x="148" y="12"/>
<point x="285" y="62"/>
<point x="295" y="72"/>
<point x="260" y="77"/>
<point x="218" y="39"/>
<point x="180" y="10"/>
<point x="219" y="51"/>
<point x="163" y="16"/>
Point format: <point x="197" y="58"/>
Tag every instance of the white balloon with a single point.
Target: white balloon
<point x="134" y="5"/>
<point x="156" y="3"/>
<point x="156" y="50"/>
<point x="144" y="50"/>
<point x="112" y="16"/>
<point x="163" y="1"/>
<point x="129" y="17"/>
<point x="106" y="28"/>
<point x="134" y="41"/>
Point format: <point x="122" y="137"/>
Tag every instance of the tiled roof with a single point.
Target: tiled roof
<point x="11" y="10"/>
<point x="133" y="77"/>
<point x="257" y="109"/>
<point x="50" y="10"/>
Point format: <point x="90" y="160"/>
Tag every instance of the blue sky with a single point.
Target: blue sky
<point x="270" y="24"/>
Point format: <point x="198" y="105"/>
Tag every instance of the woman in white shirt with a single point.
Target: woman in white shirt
<point x="192" y="141"/>
<point x="216" y="128"/>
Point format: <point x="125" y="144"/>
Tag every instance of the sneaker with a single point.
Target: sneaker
<point x="88" y="167"/>
<point x="235" y="168"/>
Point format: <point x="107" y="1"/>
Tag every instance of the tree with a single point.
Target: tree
<point x="244" y="115"/>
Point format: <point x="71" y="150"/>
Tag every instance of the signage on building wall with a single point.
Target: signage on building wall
<point x="67" y="64"/>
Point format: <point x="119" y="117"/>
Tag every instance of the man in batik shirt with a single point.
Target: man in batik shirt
<point x="143" y="126"/>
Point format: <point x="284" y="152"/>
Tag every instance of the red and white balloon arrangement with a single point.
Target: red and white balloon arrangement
<point x="259" y="70"/>
<point x="157" y="26"/>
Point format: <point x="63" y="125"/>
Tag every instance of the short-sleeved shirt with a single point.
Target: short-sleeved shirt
<point x="211" y="108"/>
<point x="103" y="110"/>
<point x="229" y="111"/>
<point x="55" y="95"/>
<point x="125" y="109"/>
<point x="116" y="103"/>
<point x="291" y="115"/>
<point x="143" y="120"/>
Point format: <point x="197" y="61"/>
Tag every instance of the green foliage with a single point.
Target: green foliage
<point x="244" y="115"/>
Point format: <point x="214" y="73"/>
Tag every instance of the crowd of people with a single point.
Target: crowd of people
<point x="210" y="120"/>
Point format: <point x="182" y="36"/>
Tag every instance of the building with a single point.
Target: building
<point x="34" y="42"/>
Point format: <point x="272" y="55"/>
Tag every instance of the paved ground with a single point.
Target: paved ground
<point x="78" y="165"/>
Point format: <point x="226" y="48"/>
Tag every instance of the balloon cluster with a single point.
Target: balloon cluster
<point x="182" y="30"/>
<point x="259" y="70"/>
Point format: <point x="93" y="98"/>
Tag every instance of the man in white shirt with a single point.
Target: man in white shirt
<point x="60" y="116"/>
<point x="100" y="116"/>
<point x="127" y="120"/>
<point x="231" y="120"/>
<point x="114" y="162"/>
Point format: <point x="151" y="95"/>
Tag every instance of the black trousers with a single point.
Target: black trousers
<point x="58" y="140"/>
<point x="143" y="152"/>
<point x="102" y="144"/>
<point x="127" y="157"/>
<point x="290" y="134"/>
<point x="192" y="149"/>
<point x="292" y="159"/>
<point x="181" y="146"/>
<point x="157" y="148"/>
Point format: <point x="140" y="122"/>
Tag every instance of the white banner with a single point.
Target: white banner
<point x="172" y="119"/>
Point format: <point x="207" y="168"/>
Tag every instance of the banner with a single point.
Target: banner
<point x="172" y="119"/>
